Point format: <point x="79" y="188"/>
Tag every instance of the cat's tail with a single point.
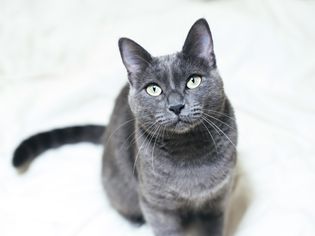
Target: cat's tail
<point x="41" y="142"/>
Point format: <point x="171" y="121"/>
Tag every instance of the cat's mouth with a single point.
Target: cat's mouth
<point x="181" y="124"/>
<point x="183" y="120"/>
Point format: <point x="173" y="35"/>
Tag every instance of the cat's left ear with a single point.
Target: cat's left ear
<point x="199" y="43"/>
<point x="134" y="57"/>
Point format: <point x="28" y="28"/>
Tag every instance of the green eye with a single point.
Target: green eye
<point x="193" y="82"/>
<point x="154" y="90"/>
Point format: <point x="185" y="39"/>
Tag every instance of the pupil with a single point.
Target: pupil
<point x="154" y="88"/>
<point x="193" y="80"/>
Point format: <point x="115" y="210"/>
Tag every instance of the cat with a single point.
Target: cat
<point x="170" y="145"/>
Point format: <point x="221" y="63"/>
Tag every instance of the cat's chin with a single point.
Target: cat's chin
<point x="182" y="126"/>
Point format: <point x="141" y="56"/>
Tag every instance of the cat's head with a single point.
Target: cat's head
<point x="174" y="91"/>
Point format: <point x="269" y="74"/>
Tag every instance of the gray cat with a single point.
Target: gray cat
<point x="170" y="154"/>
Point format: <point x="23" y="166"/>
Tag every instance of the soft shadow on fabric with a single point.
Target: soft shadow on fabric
<point x="240" y="200"/>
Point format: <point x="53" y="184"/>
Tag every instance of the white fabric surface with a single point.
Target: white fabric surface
<point x="59" y="65"/>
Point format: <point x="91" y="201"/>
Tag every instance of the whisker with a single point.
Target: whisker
<point x="119" y="127"/>
<point x="219" y="113"/>
<point x="144" y="142"/>
<point x="156" y="138"/>
<point x="219" y="120"/>
<point x="133" y="140"/>
<point x="215" y="145"/>
<point x="133" y="135"/>
<point x="127" y="145"/>
<point x="218" y="129"/>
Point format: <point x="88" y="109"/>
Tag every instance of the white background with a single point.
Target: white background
<point x="60" y="65"/>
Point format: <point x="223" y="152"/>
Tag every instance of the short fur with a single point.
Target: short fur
<point x="172" y="169"/>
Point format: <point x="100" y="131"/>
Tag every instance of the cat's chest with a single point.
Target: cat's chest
<point x="180" y="186"/>
<point x="186" y="172"/>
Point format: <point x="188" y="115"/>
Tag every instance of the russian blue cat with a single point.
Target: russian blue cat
<point x="169" y="148"/>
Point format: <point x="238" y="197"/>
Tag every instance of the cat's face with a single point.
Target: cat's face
<point x="173" y="92"/>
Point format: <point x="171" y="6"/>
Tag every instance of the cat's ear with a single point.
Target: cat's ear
<point x="199" y="42"/>
<point x="134" y="57"/>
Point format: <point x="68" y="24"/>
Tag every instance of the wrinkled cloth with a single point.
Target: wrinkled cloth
<point x="60" y="65"/>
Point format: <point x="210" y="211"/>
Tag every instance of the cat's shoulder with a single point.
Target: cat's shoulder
<point x="123" y="95"/>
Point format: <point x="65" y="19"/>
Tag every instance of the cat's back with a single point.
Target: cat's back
<point x="122" y="120"/>
<point x="118" y="175"/>
<point x="121" y="102"/>
<point x="119" y="137"/>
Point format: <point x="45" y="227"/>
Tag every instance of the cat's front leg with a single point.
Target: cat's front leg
<point x="163" y="222"/>
<point x="210" y="224"/>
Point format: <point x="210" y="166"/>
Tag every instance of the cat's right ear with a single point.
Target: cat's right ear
<point x="134" y="57"/>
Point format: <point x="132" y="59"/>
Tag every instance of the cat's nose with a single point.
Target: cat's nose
<point x="176" y="108"/>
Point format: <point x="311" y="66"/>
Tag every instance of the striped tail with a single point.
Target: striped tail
<point x="39" y="143"/>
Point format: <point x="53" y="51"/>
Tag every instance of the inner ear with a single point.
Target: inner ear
<point x="134" y="57"/>
<point x="199" y="42"/>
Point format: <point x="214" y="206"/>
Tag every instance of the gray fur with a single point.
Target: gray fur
<point x="171" y="170"/>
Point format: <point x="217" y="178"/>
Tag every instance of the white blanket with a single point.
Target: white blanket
<point x="60" y="65"/>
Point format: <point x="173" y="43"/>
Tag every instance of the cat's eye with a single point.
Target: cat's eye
<point x="153" y="90"/>
<point x="193" y="82"/>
